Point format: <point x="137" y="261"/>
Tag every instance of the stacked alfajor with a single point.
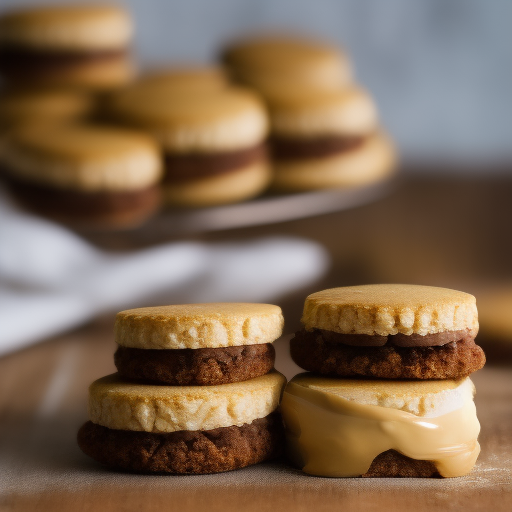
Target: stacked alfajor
<point x="195" y="391"/>
<point x="212" y="136"/>
<point x="324" y="129"/>
<point x="84" y="46"/>
<point x="83" y="174"/>
<point x="388" y="393"/>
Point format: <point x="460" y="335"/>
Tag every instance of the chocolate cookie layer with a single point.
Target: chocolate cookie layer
<point x="84" y="206"/>
<point x="22" y="62"/>
<point x="319" y="147"/>
<point x="190" y="166"/>
<point x="393" y="464"/>
<point x="311" y="351"/>
<point x="197" y="367"/>
<point x="184" y="452"/>
<point x="399" y="340"/>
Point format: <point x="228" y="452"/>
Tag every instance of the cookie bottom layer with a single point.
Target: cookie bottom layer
<point x="184" y="452"/>
<point x="196" y="367"/>
<point x="96" y="208"/>
<point x="237" y="185"/>
<point x="393" y="464"/>
<point x="451" y="361"/>
<point x="369" y="162"/>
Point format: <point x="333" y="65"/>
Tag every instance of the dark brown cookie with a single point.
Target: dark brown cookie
<point x="196" y="367"/>
<point x="451" y="361"/>
<point x="394" y="464"/>
<point x="185" y="452"/>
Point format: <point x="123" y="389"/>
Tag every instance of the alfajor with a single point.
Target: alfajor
<point x="327" y="139"/>
<point x="73" y="45"/>
<point x="82" y="173"/>
<point x="371" y="428"/>
<point x="389" y="332"/>
<point x="197" y="344"/>
<point x="267" y="62"/>
<point x="213" y="140"/>
<point x="196" y="391"/>
<point x="419" y="419"/>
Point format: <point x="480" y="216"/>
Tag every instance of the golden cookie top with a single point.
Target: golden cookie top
<point x="221" y="119"/>
<point x="199" y="326"/>
<point x="182" y="79"/>
<point x="419" y="397"/>
<point x="67" y="28"/>
<point x="125" y="405"/>
<point x="267" y="61"/>
<point x="385" y="309"/>
<point x="82" y="157"/>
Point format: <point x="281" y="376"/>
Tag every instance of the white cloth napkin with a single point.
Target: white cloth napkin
<point x="52" y="280"/>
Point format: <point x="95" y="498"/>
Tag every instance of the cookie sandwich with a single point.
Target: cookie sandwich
<point x="388" y="393"/>
<point x="213" y="141"/>
<point x="83" y="174"/>
<point x="327" y="139"/>
<point x="195" y="391"/>
<point x="67" y="45"/>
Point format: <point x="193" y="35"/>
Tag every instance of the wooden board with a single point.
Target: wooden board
<point x="43" y="402"/>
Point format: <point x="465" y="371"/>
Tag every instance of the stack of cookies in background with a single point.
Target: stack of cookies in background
<point x="54" y="62"/>
<point x="196" y="390"/>
<point x="296" y="123"/>
<point x="324" y="129"/>
<point x="389" y="392"/>
<point x="213" y="136"/>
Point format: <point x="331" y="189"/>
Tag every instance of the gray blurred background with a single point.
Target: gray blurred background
<point x="441" y="70"/>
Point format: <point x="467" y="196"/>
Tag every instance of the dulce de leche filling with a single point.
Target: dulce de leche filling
<point x="24" y="61"/>
<point x="398" y="340"/>
<point x="318" y="147"/>
<point x="191" y="166"/>
<point x="54" y="201"/>
<point x="328" y="435"/>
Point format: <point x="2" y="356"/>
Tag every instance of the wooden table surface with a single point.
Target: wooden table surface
<point x="432" y="232"/>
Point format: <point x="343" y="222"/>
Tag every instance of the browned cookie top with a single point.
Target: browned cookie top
<point x="184" y="452"/>
<point x="201" y="367"/>
<point x="315" y="352"/>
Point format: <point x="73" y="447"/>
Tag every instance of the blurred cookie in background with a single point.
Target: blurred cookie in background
<point x="83" y="175"/>
<point x="183" y="78"/>
<point x="495" y="307"/>
<point x="268" y="62"/>
<point x="326" y="139"/>
<point x="67" y="45"/>
<point x="52" y="105"/>
<point x="213" y="140"/>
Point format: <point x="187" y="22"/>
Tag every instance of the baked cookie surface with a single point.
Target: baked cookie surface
<point x="208" y="325"/>
<point x="385" y="309"/>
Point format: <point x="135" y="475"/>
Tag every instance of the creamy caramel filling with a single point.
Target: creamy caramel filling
<point x="328" y="435"/>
